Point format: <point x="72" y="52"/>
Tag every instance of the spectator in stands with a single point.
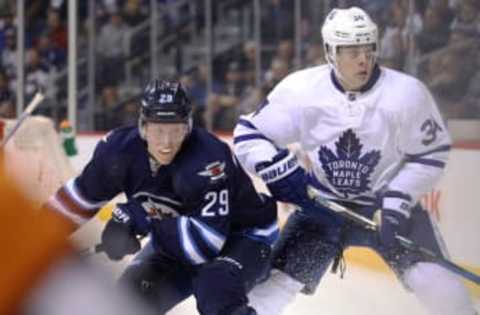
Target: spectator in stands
<point x="445" y="7"/>
<point x="133" y="13"/>
<point x="7" y="98"/>
<point x="49" y="53"/>
<point x="392" y="44"/>
<point x="199" y="95"/>
<point x="277" y="20"/>
<point x="36" y="16"/>
<point x="37" y="76"/>
<point x="449" y="72"/>
<point x="9" y="54"/>
<point x="112" y="49"/>
<point x="285" y="51"/>
<point x="436" y="29"/>
<point x="187" y="82"/>
<point x="315" y="55"/>
<point x="375" y="8"/>
<point x="467" y="18"/>
<point x="6" y="23"/>
<point x="7" y="8"/>
<point x="255" y="95"/>
<point x="128" y="114"/>
<point x="56" y="30"/>
<point x="106" y="117"/>
<point x="471" y="101"/>
<point x="224" y="105"/>
<point x="248" y="60"/>
<point x="279" y="69"/>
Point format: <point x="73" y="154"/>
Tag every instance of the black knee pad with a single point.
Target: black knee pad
<point x="219" y="287"/>
<point x="242" y="310"/>
<point x="306" y="249"/>
<point x="161" y="290"/>
<point x="139" y="278"/>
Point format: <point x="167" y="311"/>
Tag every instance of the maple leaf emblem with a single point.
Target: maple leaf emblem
<point x="347" y="169"/>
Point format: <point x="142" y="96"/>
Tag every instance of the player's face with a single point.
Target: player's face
<point x="355" y="64"/>
<point x="164" y="140"/>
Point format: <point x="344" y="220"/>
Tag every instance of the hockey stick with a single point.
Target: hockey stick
<point x="405" y="242"/>
<point x="37" y="99"/>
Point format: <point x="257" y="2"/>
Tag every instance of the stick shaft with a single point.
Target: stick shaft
<point x="405" y="242"/>
<point x="37" y="99"/>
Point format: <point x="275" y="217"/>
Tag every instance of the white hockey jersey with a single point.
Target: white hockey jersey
<point x="388" y="136"/>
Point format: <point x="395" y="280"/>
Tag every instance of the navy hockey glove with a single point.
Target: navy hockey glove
<point x="393" y="217"/>
<point x="286" y="179"/>
<point x="119" y="237"/>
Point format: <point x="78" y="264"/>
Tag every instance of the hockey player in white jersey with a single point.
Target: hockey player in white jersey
<point x="375" y="141"/>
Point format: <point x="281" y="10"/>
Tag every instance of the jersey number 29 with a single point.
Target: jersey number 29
<point x="217" y="203"/>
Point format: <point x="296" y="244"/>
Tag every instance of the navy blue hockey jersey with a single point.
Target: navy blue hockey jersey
<point x="202" y="196"/>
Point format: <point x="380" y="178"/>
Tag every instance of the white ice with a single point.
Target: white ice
<point x="361" y="291"/>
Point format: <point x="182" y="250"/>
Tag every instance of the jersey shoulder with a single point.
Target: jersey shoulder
<point x="203" y="146"/>
<point x="121" y="140"/>
<point x="204" y="162"/>
<point x="302" y="80"/>
<point x="404" y="85"/>
<point x="403" y="92"/>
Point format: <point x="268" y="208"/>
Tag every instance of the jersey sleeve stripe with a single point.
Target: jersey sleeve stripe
<point x="57" y="206"/>
<point x="267" y="231"/>
<point x="443" y="148"/>
<point x="248" y="137"/>
<point x="188" y="245"/>
<point x="72" y="206"/>
<point x="429" y="162"/>
<point x="212" y="238"/>
<point x="398" y="194"/>
<point x="77" y="196"/>
<point x="395" y="200"/>
<point x="267" y="234"/>
<point x="247" y="124"/>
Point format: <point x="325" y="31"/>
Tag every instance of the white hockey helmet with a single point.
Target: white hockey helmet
<point x="347" y="27"/>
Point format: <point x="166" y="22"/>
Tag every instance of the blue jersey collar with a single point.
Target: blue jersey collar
<point x="371" y="82"/>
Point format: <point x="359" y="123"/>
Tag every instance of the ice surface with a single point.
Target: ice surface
<point x="362" y="291"/>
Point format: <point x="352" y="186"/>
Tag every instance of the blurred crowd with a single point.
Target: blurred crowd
<point x="435" y="40"/>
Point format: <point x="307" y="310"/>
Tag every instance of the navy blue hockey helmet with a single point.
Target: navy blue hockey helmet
<point x="165" y="102"/>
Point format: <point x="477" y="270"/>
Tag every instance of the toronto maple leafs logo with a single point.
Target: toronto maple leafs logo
<point x="347" y="169"/>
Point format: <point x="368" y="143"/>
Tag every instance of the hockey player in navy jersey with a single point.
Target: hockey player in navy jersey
<point x="210" y="232"/>
<point x="373" y="140"/>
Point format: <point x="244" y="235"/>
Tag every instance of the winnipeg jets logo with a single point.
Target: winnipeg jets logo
<point x="158" y="206"/>
<point x="215" y="171"/>
<point x="348" y="170"/>
<point x="158" y="210"/>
